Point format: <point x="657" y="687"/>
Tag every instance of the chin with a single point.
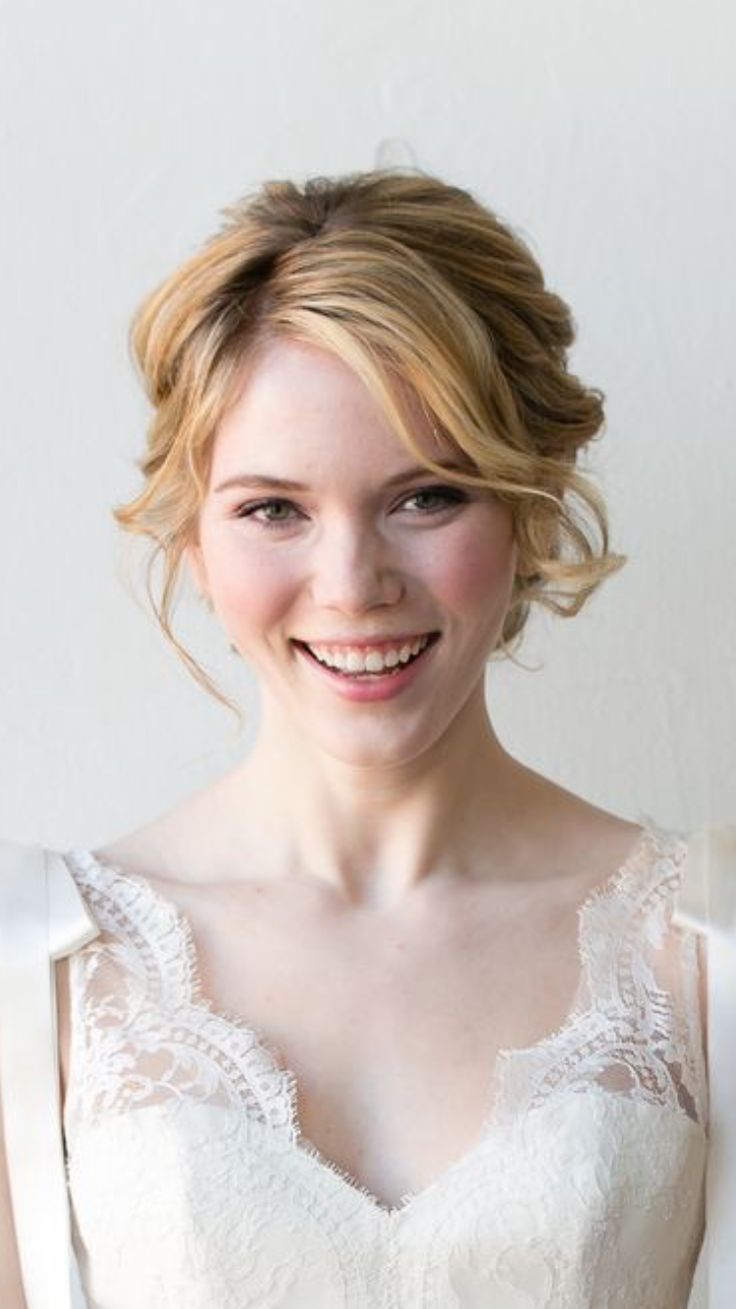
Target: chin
<point x="378" y="745"/>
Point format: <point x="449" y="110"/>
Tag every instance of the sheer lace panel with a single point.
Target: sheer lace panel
<point x="635" y="1026"/>
<point x="191" y="1185"/>
<point x="142" y="1031"/>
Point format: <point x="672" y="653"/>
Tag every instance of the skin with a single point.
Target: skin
<point x="370" y="884"/>
<point x="371" y="799"/>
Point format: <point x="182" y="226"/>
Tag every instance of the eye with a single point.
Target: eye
<point x="250" y="511"/>
<point x="445" y="494"/>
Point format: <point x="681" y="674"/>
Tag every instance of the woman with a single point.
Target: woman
<point x="381" y="1017"/>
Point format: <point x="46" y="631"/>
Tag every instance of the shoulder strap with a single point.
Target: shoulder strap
<point x="707" y="904"/>
<point x="42" y="918"/>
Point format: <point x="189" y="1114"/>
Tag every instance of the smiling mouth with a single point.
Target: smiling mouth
<point x="369" y="676"/>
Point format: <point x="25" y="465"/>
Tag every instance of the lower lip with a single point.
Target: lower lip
<point x="378" y="687"/>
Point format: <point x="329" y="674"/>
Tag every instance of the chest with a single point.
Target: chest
<point x="390" y="1026"/>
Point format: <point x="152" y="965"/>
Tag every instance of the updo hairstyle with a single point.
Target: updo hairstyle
<point x="401" y="276"/>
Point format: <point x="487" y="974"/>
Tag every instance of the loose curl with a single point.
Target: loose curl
<point x="403" y="277"/>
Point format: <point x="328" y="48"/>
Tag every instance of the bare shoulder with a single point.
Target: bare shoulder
<point x="181" y="844"/>
<point x="142" y="852"/>
<point x="552" y="828"/>
<point x="153" y="852"/>
<point x="572" y="834"/>
<point x="164" y="849"/>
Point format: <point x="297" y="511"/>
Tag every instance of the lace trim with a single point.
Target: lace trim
<point x="623" y="1026"/>
<point x="160" y="935"/>
<point x="217" y="1056"/>
<point x="153" y="941"/>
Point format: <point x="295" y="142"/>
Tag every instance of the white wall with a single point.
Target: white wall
<point x="604" y="132"/>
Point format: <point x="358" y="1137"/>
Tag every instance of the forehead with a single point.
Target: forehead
<point x="296" y="399"/>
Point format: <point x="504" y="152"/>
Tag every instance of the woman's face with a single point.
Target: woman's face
<point x="352" y="555"/>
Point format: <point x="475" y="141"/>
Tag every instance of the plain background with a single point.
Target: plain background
<point x="604" y="132"/>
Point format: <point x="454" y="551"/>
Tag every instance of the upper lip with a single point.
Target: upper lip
<point x="362" y="642"/>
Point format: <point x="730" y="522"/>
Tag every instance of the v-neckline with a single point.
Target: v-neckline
<point x="648" y="835"/>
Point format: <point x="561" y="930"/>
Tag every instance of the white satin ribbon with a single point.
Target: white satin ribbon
<point x="42" y="919"/>
<point x="707" y="904"/>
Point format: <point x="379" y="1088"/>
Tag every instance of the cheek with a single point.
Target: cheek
<point x="250" y="588"/>
<point x="469" y="566"/>
<point x="475" y="569"/>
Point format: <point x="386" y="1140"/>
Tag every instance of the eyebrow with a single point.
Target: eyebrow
<point x="284" y="484"/>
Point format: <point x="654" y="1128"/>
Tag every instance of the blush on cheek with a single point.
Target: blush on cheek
<point x="250" y="603"/>
<point x="253" y="594"/>
<point x="475" y="571"/>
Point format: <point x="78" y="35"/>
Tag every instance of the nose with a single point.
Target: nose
<point x="355" y="568"/>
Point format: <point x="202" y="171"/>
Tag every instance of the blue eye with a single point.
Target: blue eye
<point x="447" y="495"/>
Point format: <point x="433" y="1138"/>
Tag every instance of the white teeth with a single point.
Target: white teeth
<point x="368" y="661"/>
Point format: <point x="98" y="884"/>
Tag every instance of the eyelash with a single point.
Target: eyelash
<point x="450" y="494"/>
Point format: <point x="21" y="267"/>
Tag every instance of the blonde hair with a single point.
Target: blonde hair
<point x="401" y="276"/>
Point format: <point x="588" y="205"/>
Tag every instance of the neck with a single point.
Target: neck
<point x="375" y="832"/>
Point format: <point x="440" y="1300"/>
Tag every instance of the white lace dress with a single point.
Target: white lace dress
<point x="192" y="1186"/>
